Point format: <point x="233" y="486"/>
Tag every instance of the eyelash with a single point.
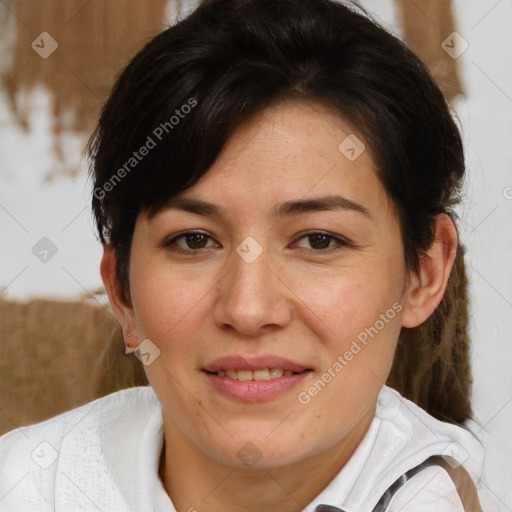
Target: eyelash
<point x="341" y="242"/>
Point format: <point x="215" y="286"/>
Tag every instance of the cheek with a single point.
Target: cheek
<point x="168" y="304"/>
<point x="355" y="314"/>
<point x="342" y="304"/>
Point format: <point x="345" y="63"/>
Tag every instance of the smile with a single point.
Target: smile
<point x="255" y="385"/>
<point x="263" y="374"/>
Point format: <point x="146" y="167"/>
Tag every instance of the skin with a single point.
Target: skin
<point x="298" y="300"/>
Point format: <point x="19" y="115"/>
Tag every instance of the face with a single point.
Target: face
<point x="276" y="306"/>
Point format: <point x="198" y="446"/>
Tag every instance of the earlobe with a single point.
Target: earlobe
<point x="122" y="308"/>
<point x="427" y="287"/>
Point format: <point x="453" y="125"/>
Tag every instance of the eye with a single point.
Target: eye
<point x="191" y="241"/>
<point x="320" y="241"/>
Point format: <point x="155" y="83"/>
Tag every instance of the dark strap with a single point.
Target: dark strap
<point x="391" y="491"/>
<point x="328" y="508"/>
<point x="399" y="482"/>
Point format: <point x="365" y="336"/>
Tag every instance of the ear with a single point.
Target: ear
<point x="117" y="297"/>
<point x="426" y="289"/>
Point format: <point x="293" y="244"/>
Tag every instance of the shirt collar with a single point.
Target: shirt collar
<point x="400" y="437"/>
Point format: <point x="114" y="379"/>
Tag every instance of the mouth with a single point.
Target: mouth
<point x="261" y="374"/>
<point x="250" y="365"/>
<point x="254" y="379"/>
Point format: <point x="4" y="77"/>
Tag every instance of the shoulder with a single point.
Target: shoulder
<point x="449" y="488"/>
<point x="454" y="454"/>
<point x="402" y="437"/>
<point x="431" y="486"/>
<point x="426" y="436"/>
<point x="113" y="407"/>
<point x="29" y="455"/>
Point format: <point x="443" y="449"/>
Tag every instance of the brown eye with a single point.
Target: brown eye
<point x="191" y="241"/>
<point x="321" y="241"/>
<point x="196" y="240"/>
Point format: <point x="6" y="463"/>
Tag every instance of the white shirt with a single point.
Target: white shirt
<point x="105" y="456"/>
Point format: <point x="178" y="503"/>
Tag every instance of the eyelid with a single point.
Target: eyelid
<point x="172" y="239"/>
<point x="341" y="241"/>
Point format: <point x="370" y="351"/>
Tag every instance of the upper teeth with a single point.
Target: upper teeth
<point x="264" y="374"/>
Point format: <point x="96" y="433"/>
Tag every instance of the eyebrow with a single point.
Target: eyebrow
<point x="286" y="209"/>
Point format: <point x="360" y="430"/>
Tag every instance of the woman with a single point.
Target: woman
<point x="273" y="188"/>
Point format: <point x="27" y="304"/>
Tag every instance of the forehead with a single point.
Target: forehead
<point x="286" y="136"/>
<point x="290" y="151"/>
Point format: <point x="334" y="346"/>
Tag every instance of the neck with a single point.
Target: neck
<point x="198" y="483"/>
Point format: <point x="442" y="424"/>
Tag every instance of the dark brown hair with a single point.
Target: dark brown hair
<point x="233" y="58"/>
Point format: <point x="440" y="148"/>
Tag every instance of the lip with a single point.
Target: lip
<point x="238" y="362"/>
<point x="254" y="390"/>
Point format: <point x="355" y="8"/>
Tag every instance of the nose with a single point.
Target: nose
<point x="253" y="297"/>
